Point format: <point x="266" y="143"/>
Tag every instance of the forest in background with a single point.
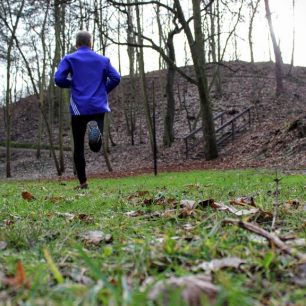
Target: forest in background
<point x="36" y="34"/>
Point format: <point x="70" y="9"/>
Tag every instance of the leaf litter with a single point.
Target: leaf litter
<point x="218" y="264"/>
<point x="18" y="280"/>
<point x="193" y="290"/>
<point x="95" y="237"/>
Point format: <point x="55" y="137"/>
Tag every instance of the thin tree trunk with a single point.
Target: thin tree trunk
<point x="197" y="52"/>
<point x="170" y="110"/>
<point x="8" y="90"/>
<point x="293" y="38"/>
<point x="277" y="53"/>
<point x="250" y="32"/>
<point x="143" y="79"/>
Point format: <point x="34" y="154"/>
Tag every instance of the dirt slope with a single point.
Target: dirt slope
<point x="276" y="139"/>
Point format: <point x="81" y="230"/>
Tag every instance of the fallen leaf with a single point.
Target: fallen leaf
<point x="142" y="193"/>
<point x="243" y="201"/>
<point x="261" y="216"/>
<point x="193" y="290"/>
<point x="27" y="196"/>
<point x="78" y="275"/>
<point x="186" y="212"/>
<point x="3" y="245"/>
<point x="254" y="213"/>
<point x="67" y="216"/>
<point x="54" y="200"/>
<point x="70" y="217"/>
<point x="207" y="203"/>
<point x="218" y="264"/>
<point x="85" y="218"/>
<point x="138" y="194"/>
<point x="96" y="237"/>
<point x="148" y="201"/>
<point x="246" y="212"/>
<point x="292" y="204"/>
<point x="134" y="213"/>
<point x="188" y="204"/>
<point x="188" y="227"/>
<point x="298" y="242"/>
<point x="19" y="280"/>
<point x="196" y="186"/>
<point x="300" y="275"/>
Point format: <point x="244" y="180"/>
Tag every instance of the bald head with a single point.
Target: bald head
<point x="83" y="38"/>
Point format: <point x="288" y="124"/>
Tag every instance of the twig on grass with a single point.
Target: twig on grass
<point x="271" y="237"/>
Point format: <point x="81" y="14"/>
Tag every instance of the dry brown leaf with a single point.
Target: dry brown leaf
<point x="243" y="201"/>
<point x="298" y="242"/>
<point x="27" y="196"/>
<point x="142" y="193"/>
<point x="218" y="264"/>
<point x="300" y="275"/>
<point x="67" y="216"/>
<point x="85" y="218"/>
<point x="207" y="203"/>
<point x="70" y="217"/>
<point x="292" y="204"/>
<point x="196" y="186"/>
<point x="254" y="213"/>
<point x="186" y="212"/>
<point x="148" y="201"/>
<point x="188" y="204"/>
<point x="138" y="194"/>
<point x="261" y="216"/>
<point x="193" y="289"/>
<point x="54" y="200"/>
<point x="134" y="213"/>
<point x="3" y="245"/>
<point x="78" y="276"/>
<point x="19" y="280"/>
<point x="96" y="237"/>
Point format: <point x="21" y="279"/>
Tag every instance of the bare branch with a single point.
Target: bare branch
<point x="270" y="236"/>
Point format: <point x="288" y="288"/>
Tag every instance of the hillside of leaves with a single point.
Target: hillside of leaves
<point x="277" y="137"/>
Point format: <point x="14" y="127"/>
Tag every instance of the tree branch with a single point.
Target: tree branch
<point x="270" y="236"/>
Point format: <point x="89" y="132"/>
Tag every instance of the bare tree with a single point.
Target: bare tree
<point x="196" y="45"/>
<point x="277" y="53"/>
<point x="253" y="11"/>
<point x="293" y="38"/>
<point x="7" y="13"/>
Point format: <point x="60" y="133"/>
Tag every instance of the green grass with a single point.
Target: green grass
<point x="115" y="273"/>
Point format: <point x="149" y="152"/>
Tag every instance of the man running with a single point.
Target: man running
<point x="91" y="77"/>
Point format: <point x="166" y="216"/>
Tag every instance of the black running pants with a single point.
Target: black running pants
<point x="79" y="125"/>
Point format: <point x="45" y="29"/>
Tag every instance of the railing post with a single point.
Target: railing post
<point x="233" y="130"/>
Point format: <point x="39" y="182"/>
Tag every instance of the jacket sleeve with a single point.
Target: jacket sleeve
<point x="61" y="77"/>
<point x="113" y="78"/>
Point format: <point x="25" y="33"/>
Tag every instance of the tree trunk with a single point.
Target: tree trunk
<point x="293" y="38"/>
<point x="197" y="53"/>
<point x="250" y="32"/>
<point x="143" y="80"/>
<point x="170" y="110"/>
<point x="8" y="89"/>
<point x="277" y="53"/>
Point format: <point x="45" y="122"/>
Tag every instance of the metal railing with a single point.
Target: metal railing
<point x="226" y="130"/>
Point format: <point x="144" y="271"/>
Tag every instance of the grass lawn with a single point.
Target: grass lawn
<point x="111" y="244"/>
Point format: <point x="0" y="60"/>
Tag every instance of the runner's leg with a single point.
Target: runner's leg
<point x="79" y="124"/>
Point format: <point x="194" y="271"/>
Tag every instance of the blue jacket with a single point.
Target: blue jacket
<point x="91" y="77"/>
